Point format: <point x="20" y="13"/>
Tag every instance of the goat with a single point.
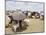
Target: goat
<point x="7" y="20"/>
<point x="15" y="26"/>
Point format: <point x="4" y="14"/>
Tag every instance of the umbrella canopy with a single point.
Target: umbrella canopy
<point x="18" y="16"/>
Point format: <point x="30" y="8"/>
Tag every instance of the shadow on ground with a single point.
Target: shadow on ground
<point x="24" y="27"/>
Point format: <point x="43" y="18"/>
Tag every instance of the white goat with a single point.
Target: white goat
<point x="15" y="27"/>
<point x="7" y="20"/>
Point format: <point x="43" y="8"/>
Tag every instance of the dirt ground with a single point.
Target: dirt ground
<point x="34" y="25"/>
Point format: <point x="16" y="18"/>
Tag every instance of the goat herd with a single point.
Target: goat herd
<point x="15" y="20"/>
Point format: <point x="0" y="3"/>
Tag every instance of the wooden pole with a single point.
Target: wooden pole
<point x="20" y="25"/>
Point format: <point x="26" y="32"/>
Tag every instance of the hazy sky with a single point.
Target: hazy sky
<point x="12" y="5"/>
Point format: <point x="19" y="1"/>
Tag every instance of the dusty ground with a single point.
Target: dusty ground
<point x="34" y="25"/>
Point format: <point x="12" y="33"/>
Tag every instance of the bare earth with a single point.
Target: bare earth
<point x="34" y="25"/>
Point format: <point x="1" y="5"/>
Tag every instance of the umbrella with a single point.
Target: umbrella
<point x="18" y="16"/>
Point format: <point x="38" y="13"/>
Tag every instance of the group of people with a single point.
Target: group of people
<point x="34" y="15"/>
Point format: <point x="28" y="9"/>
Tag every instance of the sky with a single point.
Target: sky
<point x="13" y="5"/>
